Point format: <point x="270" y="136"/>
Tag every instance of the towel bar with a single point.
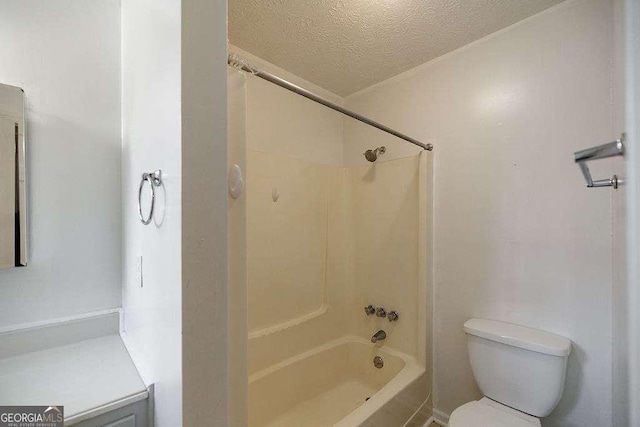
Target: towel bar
<point x="615" y="148"/>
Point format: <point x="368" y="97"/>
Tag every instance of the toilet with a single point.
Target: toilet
<point x="520" y="371"/>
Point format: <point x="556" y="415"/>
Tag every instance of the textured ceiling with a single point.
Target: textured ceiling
<point x="348" y="45"/>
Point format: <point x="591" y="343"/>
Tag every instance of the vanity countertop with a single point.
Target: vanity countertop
<point x="83" y="377"/>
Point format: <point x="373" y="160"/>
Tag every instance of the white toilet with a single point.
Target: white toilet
<point x="520" y="370"/>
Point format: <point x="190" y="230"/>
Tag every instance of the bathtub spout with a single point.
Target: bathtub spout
<point x="378" y="336"/>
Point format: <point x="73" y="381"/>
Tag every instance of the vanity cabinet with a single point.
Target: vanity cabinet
<point x="134" y="415"/>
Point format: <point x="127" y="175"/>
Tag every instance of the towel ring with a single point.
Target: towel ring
<point x="155" y="180"/>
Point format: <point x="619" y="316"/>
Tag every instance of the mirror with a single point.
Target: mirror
<point x="13" y="200"/>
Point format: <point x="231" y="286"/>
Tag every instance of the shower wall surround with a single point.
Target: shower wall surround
<point x="325" y="239"/>
<point x="294" y="255"/>
<point x="288" y="205"/>
<point x="383" y="235"/>
<point x="329" y="240"/>
<point x="286" y="147"/>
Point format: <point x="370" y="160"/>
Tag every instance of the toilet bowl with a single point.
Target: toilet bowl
<point x="520" y="371"/>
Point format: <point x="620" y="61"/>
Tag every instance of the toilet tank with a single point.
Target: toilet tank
<point x="517" y="366"/>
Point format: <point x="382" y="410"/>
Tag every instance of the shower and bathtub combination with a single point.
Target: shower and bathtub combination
<point x="337" y="264"/>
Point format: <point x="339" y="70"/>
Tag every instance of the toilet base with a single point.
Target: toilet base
<point x="489" y="413"/>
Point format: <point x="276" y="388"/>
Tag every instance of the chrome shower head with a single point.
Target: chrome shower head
<point x="372" y="155"/>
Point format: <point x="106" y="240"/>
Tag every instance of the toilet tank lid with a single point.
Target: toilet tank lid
<point x="519" y="336"/>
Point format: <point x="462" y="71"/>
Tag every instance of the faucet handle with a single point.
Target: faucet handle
<point x="369" y="310"/>
<point x="381" y="312"/>
<point x="393" y="316"/>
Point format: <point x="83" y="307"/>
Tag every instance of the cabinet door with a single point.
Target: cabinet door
<point x="129" y="421"/>
<point x="134" y="415"/>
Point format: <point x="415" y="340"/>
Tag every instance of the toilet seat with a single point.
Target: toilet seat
<point x="488" y="413"/>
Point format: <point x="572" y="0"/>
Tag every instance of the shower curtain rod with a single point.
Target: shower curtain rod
<point x="238" y="63"/>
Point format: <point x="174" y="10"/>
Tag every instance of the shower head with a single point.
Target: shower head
<point x="372" y="155"/>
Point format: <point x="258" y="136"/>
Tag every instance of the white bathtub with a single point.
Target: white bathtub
<point x="329" y="385"/>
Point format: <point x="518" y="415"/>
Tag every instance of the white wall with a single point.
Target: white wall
<point x="206" y="318"/>
<point x="151" y="139"/>
<point x="620" y="294"/>
<point x="518" y="237"/>
<point x="65" y="54"/>
<point x="632" y="114"/>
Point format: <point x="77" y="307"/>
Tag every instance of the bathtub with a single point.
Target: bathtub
<point x="334" y="384"/>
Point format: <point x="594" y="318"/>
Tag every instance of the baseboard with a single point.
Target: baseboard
<point x="440" y="417"/>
